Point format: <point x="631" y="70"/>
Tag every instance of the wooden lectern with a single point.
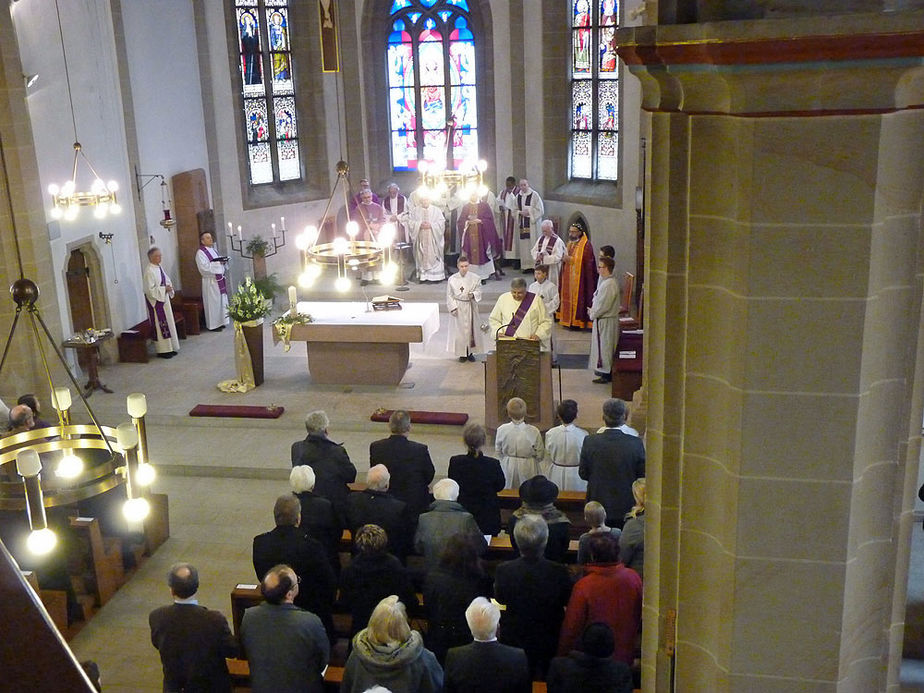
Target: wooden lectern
<point x="519" y="369"/>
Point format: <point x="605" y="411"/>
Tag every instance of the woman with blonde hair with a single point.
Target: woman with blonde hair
<point x="632" y="539"/>
<point x="388" y="653"/>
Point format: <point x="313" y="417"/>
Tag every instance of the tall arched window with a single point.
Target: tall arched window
<point x="594" y="90"/>
<point x="430" y="61"/>
<point x="268" y="87"/>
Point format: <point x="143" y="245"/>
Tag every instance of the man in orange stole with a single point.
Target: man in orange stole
<point x="578" y="279"/>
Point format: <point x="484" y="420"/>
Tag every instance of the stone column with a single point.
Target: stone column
<point x="21" y="207"/>
<point x="783" y="344"/>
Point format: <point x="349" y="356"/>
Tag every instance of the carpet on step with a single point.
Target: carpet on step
<point x="446" y="418"/>
<point x="239" y="411"/>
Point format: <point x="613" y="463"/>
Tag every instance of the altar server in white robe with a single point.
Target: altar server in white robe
<point x="528" y="208"/>
<point x="463" y="292"/>
<point x="563" y="450"/>
<point x="519" y="446"/>
<point x="214" y="286"/>
<point x="549" y="250"/>
<point x="604" y="311"/>
<point x="519" y="314"/>
<point x="158" y="290"/>
<point x="548" y="292"/>
<point x="427" y="224"/>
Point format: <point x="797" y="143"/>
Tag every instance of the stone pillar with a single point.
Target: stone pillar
<point x="21" y="207"/>
<point x="783" y="346"/>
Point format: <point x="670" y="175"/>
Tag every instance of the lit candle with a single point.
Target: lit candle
<point x="240" y="236"/>
<point x="282" y="223"/>
<point x="230" y="230"/>
<point x="274" y="230"/>
<point x="293" y="296"/>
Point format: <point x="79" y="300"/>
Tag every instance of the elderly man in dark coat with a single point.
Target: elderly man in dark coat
<point x="329" y="460"/>
<point x="193" y="641"/>
<point x="376" y="506"/>
<point x="445" y="519"/>
<point x="408" y="463"/>
<point x="288" y="544"/>
<point x="610" y="462"/>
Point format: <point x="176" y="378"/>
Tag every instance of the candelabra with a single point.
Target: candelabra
<point x="256" y="244"/>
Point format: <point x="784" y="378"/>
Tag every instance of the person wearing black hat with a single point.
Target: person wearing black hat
<point x="538" y="496"/>
<point x="590" y="667"/>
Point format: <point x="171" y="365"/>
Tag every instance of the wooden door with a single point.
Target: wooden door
<point x="79" y="297"/>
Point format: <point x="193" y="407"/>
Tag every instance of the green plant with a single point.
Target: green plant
<point x="257" y="246"/>
<point x="248" y="303"/>
<point x="269" y="286"/>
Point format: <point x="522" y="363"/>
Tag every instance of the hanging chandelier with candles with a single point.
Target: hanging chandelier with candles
<point x="347" y="253"/>
<point x="67" y="199"/>
<point x="111" y="456"/>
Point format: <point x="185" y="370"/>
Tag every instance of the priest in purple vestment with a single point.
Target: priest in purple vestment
<point x="480" y="242"/>
<point x="158" y="289"/>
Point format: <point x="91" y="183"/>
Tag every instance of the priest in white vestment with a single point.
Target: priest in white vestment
<point x="463" y="292"/>
<point x="549" y="250"/>
<point x="506" y="228"/>
<point x="158" y="290"/>
<point x="563" y="450"/>
<point x="519" y="446"/>
<point x="604" y="311"/>
<point x="427" y="224"/>
<point x="396" y="209"/>
<point x="519" y="314"/>
<point x="214" y="287"/>
<point x="528" y="210"/>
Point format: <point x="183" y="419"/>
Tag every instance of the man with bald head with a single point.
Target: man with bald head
<point x="21" y="419"/>
<point x="376" y="506"/>
<point x="193" y="641"/>
<point x="286" y="646"/>
<point x="519" y="314"/>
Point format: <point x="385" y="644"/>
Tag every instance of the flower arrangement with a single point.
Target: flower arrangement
<point x="248" y="304"/>
<point x="283" y="326"/>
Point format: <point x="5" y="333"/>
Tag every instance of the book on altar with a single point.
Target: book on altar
<point x="386" y="302"/>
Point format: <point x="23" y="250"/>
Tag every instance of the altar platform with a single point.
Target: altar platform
<point x="349" y="344"/>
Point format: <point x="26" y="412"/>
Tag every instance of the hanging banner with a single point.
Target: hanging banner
<point x="330" y="50"/>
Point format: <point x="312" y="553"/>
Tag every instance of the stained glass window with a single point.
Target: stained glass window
<point x="594" y="89"/>
<point x="430" y="59"/>
<point x="268" y="90"/>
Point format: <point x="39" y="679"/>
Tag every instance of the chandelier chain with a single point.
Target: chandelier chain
<point x="67" y="75"/>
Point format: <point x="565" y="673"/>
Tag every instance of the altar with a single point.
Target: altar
<point x="348" y="344"/>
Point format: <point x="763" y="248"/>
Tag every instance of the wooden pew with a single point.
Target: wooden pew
<point x="105" y="560"/>
<point x="54" y="601"/>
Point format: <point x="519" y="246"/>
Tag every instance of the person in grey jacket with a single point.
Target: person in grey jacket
<point x="286" y="646"/>
<point x="445" y="518"/>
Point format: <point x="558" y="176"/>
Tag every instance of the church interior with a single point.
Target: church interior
<point x="757" y="165"/>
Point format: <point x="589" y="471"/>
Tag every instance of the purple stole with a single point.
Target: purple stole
<point x="520" y="314"/>
<point x="156" y="313"/>
<point x="508" y="222"/>
<point x="525" y="222"/>
<point x="544" y="240"/>
<point x="400" y="204"/>
<point x="220" y="278"/>
<point x="475" y="251"/>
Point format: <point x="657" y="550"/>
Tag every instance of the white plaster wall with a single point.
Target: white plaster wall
<point x="92" y="63"/>
<point x="160" y="43"/>
<point x="503" y="81"/>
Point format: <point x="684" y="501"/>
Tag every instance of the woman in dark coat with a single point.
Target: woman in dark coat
<point x="372" y="575"/>
<point x="479" y="478"/>
<point x="448" y="590"/>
